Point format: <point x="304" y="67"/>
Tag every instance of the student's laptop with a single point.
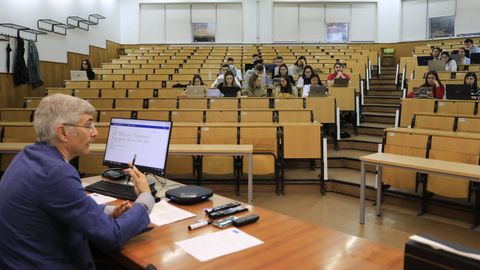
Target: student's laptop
<point x="270" y="68"/>
<point x="457" y="59"/>
<point x="458" y="92"/>
<point x="214" y="92"/>
<point x="422" y="92"/>
<point x="248" y="67"/>
<point x="340" y="82"/>
<point x="230" y="91"/>
<point x="195" y="91"/>
<point x="78" y="75"/>
<point x="436" y="65"/>
<point x="423" y="60"/>
<point x="475" y="58"/>
<point x="318" y="91"/>
<point x="276" y="81"/>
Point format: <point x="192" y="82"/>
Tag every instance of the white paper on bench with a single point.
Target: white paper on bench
<point x="164" y="213"/>
<point x="101" y="199"/>
<point x="213" y="245"/>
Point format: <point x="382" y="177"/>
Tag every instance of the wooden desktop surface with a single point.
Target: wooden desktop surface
<point x="197" y="149"/>
<point x="289" y="243"/>
<point x="423" y="164"/>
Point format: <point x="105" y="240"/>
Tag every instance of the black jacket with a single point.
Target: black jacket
<point x="20" y="71"/>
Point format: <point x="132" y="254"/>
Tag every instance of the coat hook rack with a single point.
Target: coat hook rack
<point x="20" y="29"/>
<point x="53" y="26"/>
<point x="95" y="18"/>
<point x="80" y="22"/>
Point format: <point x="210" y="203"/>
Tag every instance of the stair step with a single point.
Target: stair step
<point x="376" y="129"/>
<point x="381" y="92"/>
<point x="384" y="114"/>
<point x="381" y="99"/>
<point x="361" y="142"/>
<point x="382" y="82"/>
<point x="394" y="68"/>
<point x="382" y="87"/>
<point x="382" y="105"/>
<point x="386" y="76"/>
<point x="375" y="125"/>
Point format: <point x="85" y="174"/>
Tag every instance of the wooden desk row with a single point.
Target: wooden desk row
<point x="288" y="244"/>
<point x="184" y="115"/>
<point x="409" y="106"/>
<point x="447" y="122"/>
<point x="323" y="107"/>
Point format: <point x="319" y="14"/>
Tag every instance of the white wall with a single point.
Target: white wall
<point x="258" y="18"/>
<point x="54" y="47"/>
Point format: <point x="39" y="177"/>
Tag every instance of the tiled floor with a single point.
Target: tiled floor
<point x="341" y="212"/>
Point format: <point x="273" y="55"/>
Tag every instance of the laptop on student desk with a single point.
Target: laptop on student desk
<point x="229" y="91"/>
<point x="423" y="60"/>
<point x="195" y="91"/>
<point x="214" y="92"/>
<point x="458" y="92"/>
<point x="422" y="92"/>
<point x="436" y="65"/>
<point x="475" y="58"/>
<point x="318" y="91"/>
<point x="340" y="82"/>
<point x="78" y="75"/>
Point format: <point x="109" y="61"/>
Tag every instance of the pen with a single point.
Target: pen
<point x="199" y="224"/>
<point x="133" y="163"/>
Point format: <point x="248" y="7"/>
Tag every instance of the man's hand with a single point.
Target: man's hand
<point x="138" y="179"/>
<point x="122" y="208"/>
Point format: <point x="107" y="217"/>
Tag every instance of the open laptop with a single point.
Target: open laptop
<point x="195" y="91"/>
<point x="436" y="65"/>
<point x="230" y="91"/>
<point x="475" y="58"/>
<point x="456" y="57"/>
<point x="422" y="92"/>
<point x="214" y="92"/>
<point x="423" y="60"/>
<point x="318" y="91"/>
<point x="78" y="75"/>
<point x="340" y="82"/>
<point x="458" y="92"/>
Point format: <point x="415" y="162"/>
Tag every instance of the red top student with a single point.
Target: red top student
<point x="338" y="73"/>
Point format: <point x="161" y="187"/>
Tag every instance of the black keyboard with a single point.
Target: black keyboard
<point x="119" y="191"/>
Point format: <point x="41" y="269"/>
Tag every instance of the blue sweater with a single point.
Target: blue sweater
<point x="46" y="217"/>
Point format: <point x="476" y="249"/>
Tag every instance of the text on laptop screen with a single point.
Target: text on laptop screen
<point x="146" y="140"/>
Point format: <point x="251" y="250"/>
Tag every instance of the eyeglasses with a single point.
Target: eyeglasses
<point x="91" y="126"/>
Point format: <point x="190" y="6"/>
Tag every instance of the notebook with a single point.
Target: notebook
<point x="422" y="92"/>
<point x="195" y="91"/>
<point x="458" y="92"/>
<point x="78" y="75"/>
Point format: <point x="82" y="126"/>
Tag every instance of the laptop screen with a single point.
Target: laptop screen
<point x="145" y="140"/>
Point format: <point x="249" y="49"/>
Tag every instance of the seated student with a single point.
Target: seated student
<point x="88" y="67"/>
<point x="237" y="72"/>
<point x="299" y="66"/>
<point x="450" y="63"/>
<point x="229" y="81"/>
<point x="432" y="80"/>
<point x="468" y="44"/>
<point x="285" y="88"/>
<point x="337" y="73"/>
<point x="46" y="218"/>
<point x="471" y="84"/>
<point x="260" y="71"/>
<point x="255" y="88"/>
<point x="219" y="79"/>
<point x="306" y="76"/>
<point x="283" y="71"/>
<point x="464" y="60"/>
<point x="278" y="64"/>
<point x="314" y="81"/>
<point x="436" y="51"/>
<point x="249" y="72"/>
<point x="196" y="81"/>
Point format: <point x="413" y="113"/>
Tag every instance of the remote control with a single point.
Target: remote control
<point x="226" y="212"/>
<point x="222" y="207"/>
<point x="245" y="220"/>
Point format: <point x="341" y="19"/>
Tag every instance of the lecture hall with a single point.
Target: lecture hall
<point x="240" y="134"/>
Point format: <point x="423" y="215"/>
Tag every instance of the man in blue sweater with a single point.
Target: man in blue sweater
<point x="46" y="219"/>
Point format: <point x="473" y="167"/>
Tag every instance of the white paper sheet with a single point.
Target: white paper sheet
<point x="101" y="199"/>
<point x="165" y="213"/>
<point x="213" y="245"/>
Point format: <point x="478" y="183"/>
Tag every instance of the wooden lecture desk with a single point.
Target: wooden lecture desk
<point x="289" y="243"/>
<point x="462" y="171"/>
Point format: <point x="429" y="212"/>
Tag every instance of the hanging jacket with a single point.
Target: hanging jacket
<point x="9" y="49"/>
<point x="20" y="72"/>
<point x="33" y="65"/>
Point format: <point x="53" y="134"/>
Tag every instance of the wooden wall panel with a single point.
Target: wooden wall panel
<point x="53" y="74"/>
